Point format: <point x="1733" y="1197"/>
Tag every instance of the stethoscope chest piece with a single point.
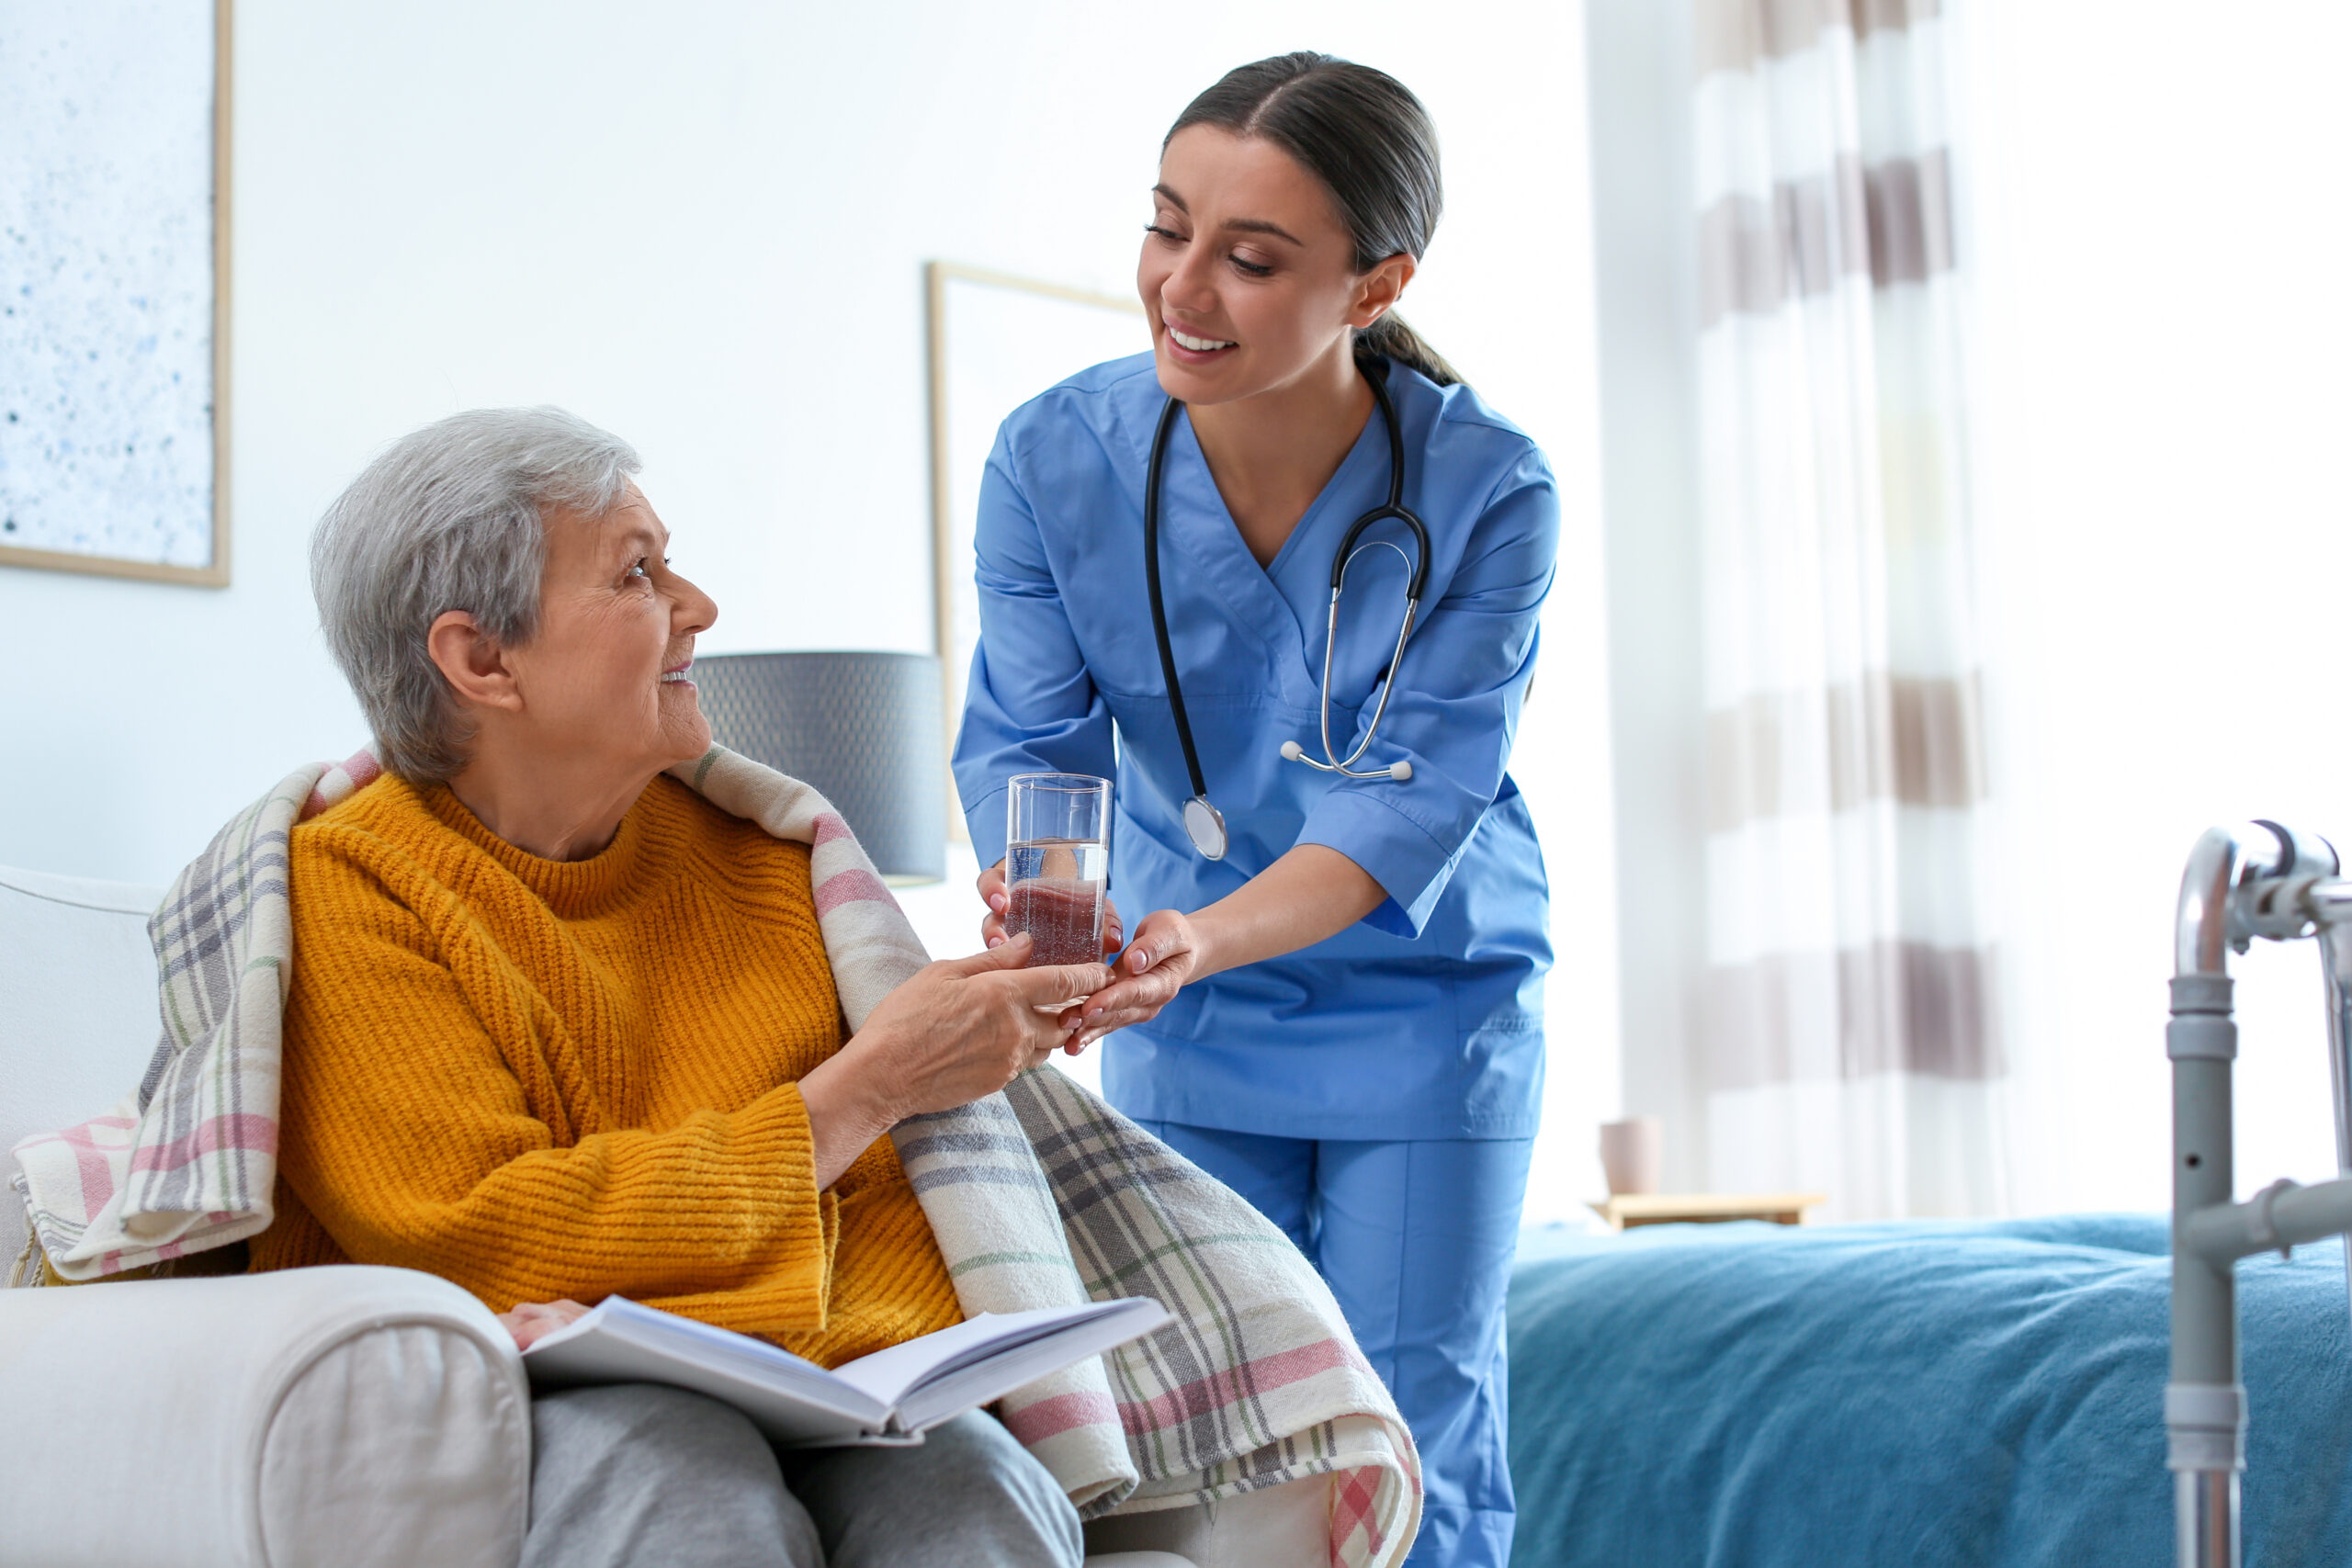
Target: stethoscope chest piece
<point x="1205" y="825"/>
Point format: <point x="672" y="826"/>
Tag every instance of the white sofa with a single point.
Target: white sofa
<point x="341" y="1417"/>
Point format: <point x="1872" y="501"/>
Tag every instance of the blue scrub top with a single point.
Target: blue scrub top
<point x="1425" y="1018"/>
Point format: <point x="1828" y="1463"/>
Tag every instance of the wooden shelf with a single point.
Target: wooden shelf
<point x="1706" y="1208"/>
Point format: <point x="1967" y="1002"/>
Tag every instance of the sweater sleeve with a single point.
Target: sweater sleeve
<point x="412" y="1135"/>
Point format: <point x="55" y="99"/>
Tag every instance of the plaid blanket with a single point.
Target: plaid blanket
<point x="1041" y="1195"/>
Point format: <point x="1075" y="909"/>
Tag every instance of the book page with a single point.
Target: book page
<point x="891" y="1375"/>
<point x="790" y="1398"/>
<point x="889" y="1396"/>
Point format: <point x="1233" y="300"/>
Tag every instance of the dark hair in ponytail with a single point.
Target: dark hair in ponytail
<point x="1370" y="142"/>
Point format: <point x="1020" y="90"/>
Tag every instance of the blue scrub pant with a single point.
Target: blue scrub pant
<point x="1416" y="1240"/>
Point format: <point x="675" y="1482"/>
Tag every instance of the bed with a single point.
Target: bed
<point x="1917" y="1394"/>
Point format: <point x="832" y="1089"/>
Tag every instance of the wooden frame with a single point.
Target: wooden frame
<point x="937" y="275"/>
<point x="215" y="574"/>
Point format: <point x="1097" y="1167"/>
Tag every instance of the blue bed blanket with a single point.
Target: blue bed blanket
<point x="1920" y="1394"/>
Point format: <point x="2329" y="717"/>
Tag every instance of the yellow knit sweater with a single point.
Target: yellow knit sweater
<point x="541" y="1079"/>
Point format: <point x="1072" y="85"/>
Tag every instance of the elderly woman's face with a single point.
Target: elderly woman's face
<point x="607" y="673"/>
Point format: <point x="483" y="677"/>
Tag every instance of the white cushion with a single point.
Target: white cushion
<point x="78" y="1018"/>
<point x="343" y="1417"/>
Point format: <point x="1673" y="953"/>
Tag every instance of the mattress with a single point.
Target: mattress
<point x="1915" y="1393"/>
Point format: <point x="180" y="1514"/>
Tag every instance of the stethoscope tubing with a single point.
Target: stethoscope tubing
<point x="1208" y="836"/>
<point x="1330" y="635"/>
<point x="1158" y="610"/>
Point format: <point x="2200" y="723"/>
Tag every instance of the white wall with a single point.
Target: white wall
<point x="2162" y="421"/>
<point x="703" y="226"/>
<point x="1645" y="278"/>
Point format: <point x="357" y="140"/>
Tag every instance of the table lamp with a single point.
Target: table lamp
<point x="864" y="728"/>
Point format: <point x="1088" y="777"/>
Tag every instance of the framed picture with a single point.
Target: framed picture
<point x="114" y="288"/>
<point x="996" y="340"/>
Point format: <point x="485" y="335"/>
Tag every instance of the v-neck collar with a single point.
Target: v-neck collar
<point x="1194" y="515"/>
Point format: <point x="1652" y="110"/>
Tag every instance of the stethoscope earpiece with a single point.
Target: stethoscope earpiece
<point x="1203" y="823"/>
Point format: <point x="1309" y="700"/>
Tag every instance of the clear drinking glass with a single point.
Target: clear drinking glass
<point x="1056" y="865"/>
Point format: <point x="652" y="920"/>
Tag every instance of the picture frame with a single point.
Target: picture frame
<point x="139" y="560"/>
<point x="995" y="340"/>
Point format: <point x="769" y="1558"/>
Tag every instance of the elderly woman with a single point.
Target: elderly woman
<point x="562" y="1028"/>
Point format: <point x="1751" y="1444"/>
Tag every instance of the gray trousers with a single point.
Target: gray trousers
<point x="634" y="1474"/>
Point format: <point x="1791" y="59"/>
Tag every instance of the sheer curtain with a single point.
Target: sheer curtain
<point x="1848" y="1039"/>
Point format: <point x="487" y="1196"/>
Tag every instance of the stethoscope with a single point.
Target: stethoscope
<point x="1203" y="823"/>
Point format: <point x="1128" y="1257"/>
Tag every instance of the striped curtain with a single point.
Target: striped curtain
<point x="1847" y="1042"/>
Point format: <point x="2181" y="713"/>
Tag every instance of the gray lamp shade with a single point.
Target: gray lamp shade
<point x="862" y="728"/>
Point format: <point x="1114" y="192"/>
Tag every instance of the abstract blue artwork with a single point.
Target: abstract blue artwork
<point x="110" y="287"/>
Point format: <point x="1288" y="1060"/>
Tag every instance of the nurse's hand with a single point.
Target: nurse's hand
<point x="1167" y="952"/>
<point x="992" y="893"/>
<point x="1311" y="893"/>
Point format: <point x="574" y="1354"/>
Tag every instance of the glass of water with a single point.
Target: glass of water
<point x="1056" y="865"/>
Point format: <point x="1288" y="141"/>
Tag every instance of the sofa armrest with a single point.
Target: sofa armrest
<point x="341" y="1416"/>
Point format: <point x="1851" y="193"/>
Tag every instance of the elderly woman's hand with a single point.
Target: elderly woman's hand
<point x="992" y="893"/>
<point x="959" y="1030"/>
<point x="532" y="1321"/>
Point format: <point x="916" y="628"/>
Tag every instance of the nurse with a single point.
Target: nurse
<point x="1342" y="1017"/>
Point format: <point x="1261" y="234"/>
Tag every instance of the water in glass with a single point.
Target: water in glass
<point x="1056" y="894"/>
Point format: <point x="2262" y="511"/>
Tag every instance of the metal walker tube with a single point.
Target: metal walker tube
<point x="2335" y="952"/>
<point x="2256" y="879"/>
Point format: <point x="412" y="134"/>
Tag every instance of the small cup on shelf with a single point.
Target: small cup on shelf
<point x="1632" y="1154"/>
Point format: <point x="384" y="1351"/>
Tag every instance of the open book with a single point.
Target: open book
<point x="891" y="1396"/>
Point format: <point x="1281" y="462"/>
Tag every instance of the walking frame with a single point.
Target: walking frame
<point x="2249" y="880"/>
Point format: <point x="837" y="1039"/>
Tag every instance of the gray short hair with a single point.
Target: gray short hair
<point x="449" y="518"/>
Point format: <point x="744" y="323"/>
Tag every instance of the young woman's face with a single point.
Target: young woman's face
<point x="1248" y="274"/>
